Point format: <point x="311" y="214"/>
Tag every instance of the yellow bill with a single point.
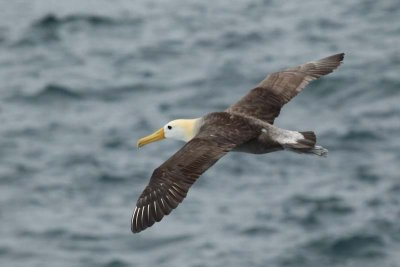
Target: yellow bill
<point x="158" y="135"/>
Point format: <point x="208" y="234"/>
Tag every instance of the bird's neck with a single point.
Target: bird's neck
<point x="192" y="127"/>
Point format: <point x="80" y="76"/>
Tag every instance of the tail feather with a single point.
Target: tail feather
<point x="307" y="145"/>
<point x="320" y="151"/>
<point x="309" y="139"/>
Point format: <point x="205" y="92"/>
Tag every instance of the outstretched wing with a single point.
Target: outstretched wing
<point x="266" y="100"/>
<point x="171" y="181"/>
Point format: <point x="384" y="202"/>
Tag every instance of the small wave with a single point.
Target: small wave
<point x="233" y="39"/>
<point x="84" y="237"/>
<point x="53" y="92"/>
<point x="321" y="23"/>
<point x="387" y="227"/>
<point x="83" y="159"/>
<point x="389" y="87"/>
<point x="323" y="205"/>
<point x="355" y="245"/>
<point x="367" y="174"/>
<point x="313" y="212"/>
<point x="360" y="135"/>
<point x="46" y="30"/>
<point x="51" y="20"/>
<point x="112" y="178"/>
<point x="37" y="36"/>
<point x="118" y="92"/>
<point x="337" y="251"/>
<point x="116" y="263"/>
<point x="258" y="230"/>
<point x="47" y="234"/>
<point x="114" y="143"/>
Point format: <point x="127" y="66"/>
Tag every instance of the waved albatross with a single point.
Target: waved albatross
<point x="247" y="126"/>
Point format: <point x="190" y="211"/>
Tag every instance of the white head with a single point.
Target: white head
<point x="183" y="130"/>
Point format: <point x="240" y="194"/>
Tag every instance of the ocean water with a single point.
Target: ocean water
<point x="81" y="81"/>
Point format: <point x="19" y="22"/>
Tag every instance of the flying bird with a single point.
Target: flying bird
<point x="246" y="126"/>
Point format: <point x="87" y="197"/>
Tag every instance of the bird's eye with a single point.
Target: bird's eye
<point x="169" y="127"/>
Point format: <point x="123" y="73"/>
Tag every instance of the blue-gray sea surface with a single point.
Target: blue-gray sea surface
<point x="81" y="81"/>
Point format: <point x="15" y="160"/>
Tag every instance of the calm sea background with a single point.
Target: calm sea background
<point x="81" y="81"/>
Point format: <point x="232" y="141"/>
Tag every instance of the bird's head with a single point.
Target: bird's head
<point x="181" y="129"/>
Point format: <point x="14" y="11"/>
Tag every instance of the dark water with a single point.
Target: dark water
<point x="81" y="81"/>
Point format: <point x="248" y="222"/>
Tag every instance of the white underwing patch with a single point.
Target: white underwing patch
<point x="288" y="137"/>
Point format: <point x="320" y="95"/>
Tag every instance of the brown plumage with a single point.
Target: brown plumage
<point x="266" y="100"/>
<point x="245" y="126"/>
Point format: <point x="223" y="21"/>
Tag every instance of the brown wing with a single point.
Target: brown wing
<point x="171" y="181"/>
<point x="266" y="100"/>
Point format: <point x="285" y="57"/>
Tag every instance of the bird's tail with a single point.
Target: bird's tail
<point x="307" y="145"/>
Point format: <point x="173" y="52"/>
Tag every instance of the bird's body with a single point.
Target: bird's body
<point x="246" y="126"/>
<point x="265" y="137"/>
